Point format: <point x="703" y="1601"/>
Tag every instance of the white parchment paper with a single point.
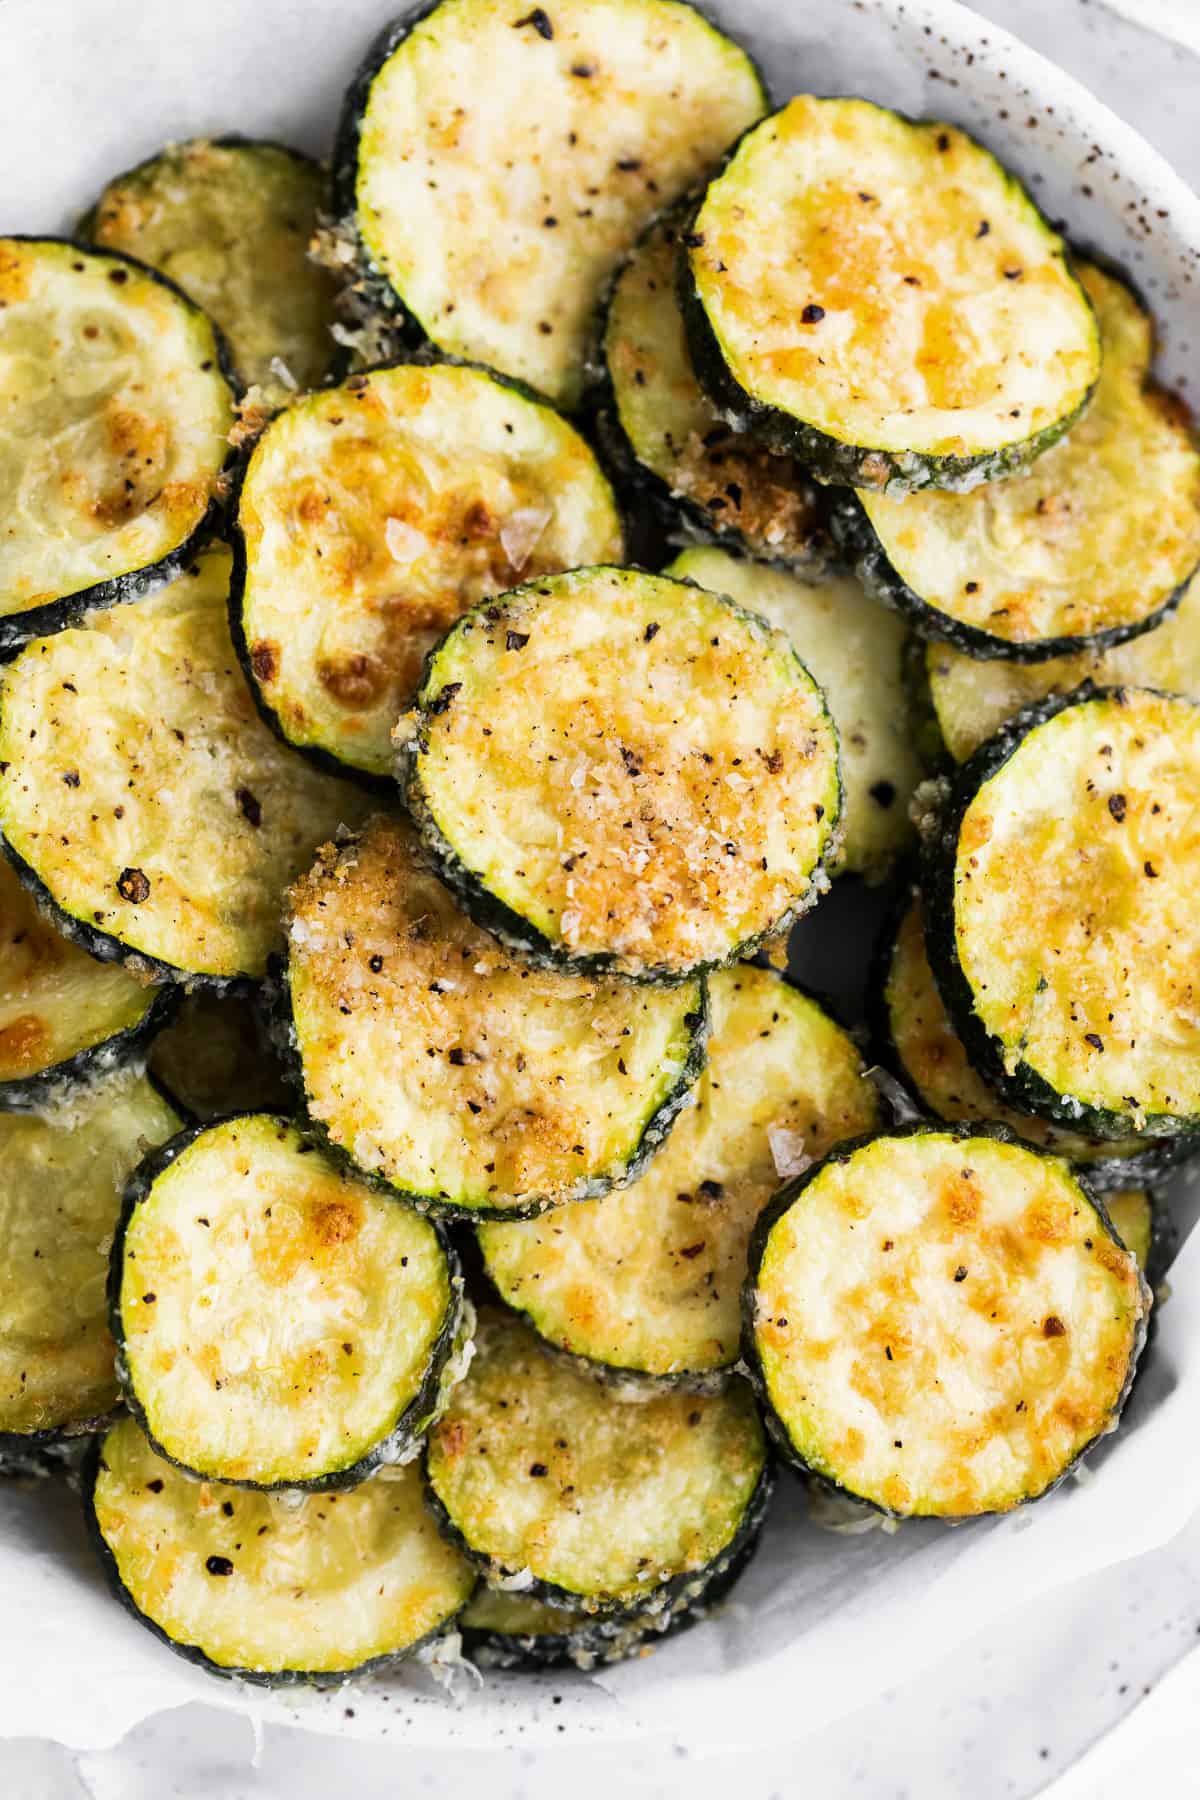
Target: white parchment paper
<point x="820" y="1622"/>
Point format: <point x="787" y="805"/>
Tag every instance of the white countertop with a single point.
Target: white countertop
<point x="1003" y="1718"/>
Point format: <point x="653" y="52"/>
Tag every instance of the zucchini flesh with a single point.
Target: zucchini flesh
<point x="972" y="699"/>
<point x="941" y="1322"/>
<point x="262" y="1588"/>
<point x="1090" y="546"/>
<point x="897" y="312"/>
<point x="444" y="1067"/>
<point x="279" y="1324"/>
<point x="856" y="652"/>
<point x="726" y="481"/>
<point x="143" y="798"/>
<point x="230" y="220"/>
<point x="117" y="409"/>
<point x="621" y="771"/>
<point x="1132" y="1213"/>
<point x="64" y="1017"/>
<point x="930" y="1056"/>
<point x="373" y="515"/>
<point x="649" y="1279"/>
<point x="214" y="1059"/>
<point x="554" y="1486"/>
<point x="61" y="1175"/>
<point x="488" y="156"/>
<point x="1060" y="920"/>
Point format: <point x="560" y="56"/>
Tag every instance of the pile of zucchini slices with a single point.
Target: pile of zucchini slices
<point x="399" y="1073"/>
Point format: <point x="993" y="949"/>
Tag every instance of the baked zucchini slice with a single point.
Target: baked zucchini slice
<point x="372" y="515"/>
<point x="142" y="799"/>
<point x="558" y="1489"/>
<point x="117" y="407"/>
<point x="272" y="1589"/>
<point x="919" y="1043"/>
<point x="441" y="1065"/>
<point x="856" y="652"/>
<point x="216" y="1059"/>
<point x="1060" y="918"/>
<point x="496" y="165"/>
<point x="1089" y="547"/>
<point x="229" y="219"/>
<point x="61" y="1176"/>
<point x="670" y="441"/>
<point x="881" y="298"/>
<point x="64" y="1018"/>
<point x="278" y="1323"/>
<point x="941" y="1322"/>
<point x="972" y="699"/>
<point x="648" y="1280"/>
<point x="622" y="772"/>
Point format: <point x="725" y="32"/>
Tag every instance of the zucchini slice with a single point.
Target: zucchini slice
<point x="117" y="406"/>
<point x="648" y="1280"/>
<point x="557" y="1488"/>
<point x="278" y="1323"/>
<point x="1089" y="547"/>
<point x="856" y="651"/>
<point x="941" y="1322"/>
<point x="265" y="1589"/>
<point x="439" y="1064"/>
<point x="372" y="515"/>
<point x="229" y="220"/>
<point x="926" y="1052"/>
<point x="1060" y="911"/>
<point x="882" y="299"/>
<point x="972" y="699"/>
<point x="141" y="797"/>
<point x="670" y="440"/>
<point x="618" y="771"/>
<point x="215" y="1059"/>
<point x="61" y="1175"/>
<point x="495" y="165"/>
<point x="64" y="1018"/>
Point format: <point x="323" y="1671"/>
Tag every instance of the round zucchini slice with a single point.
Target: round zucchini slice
<point x="61" y="1176"/>
<point x="117" y="408"/>
<point x="1060" y="911"/>
<point x="619" y="771"/>
<point x="555" y="1487"/>
<point x="278" y="1323"/>
<point x="441" y="1065"/>
<point x="372" y="516"/>
<point x="64" y="1018"/>
<point x="926" y="1052"/>
<point x="229" y="220"/>
<point x="583" y="120"/>
<point x="941" y="1322"/>
<point x="972" y="699"/>
<point x="648" y="1280"/>
<point x="1089" y="547"/>
<point x="880" y="298"/>
<point x="661" y="424"/>
<point x="143" y="800"/>
<point x="856" y="652"/>
<point x="265" y="1589"/>
<point x="215" y="1059"/>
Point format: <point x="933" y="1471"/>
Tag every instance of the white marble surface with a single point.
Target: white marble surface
<point x="1002" y="1718"/>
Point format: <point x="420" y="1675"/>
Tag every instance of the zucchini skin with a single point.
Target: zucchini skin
<point x="1023" y="1087"/>
<point x="412" y="1423"/>
<point x="263" y="1678"/>
<point x="276" y="1002"/>
<point x="19" y="629"/>
<point x="777" y="1430"/>
<point x="859" y="544"/>
<point x="29" y="1093"/>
